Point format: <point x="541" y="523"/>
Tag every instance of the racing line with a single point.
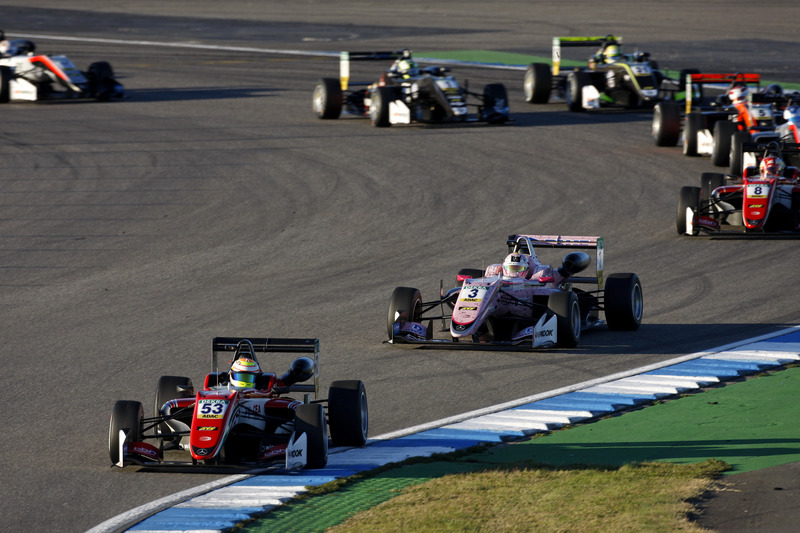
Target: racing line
<point x="220" y="505"/>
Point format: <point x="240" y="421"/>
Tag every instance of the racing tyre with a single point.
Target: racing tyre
<point x="495" y="104"/>
<point x="666" y="124"/>
<point x="404" y="306"/>
<point x="171" y="388"/>
<point x="737" y="155"/>
<point x="328" y="98"/>
<point x="309" y="418"/>
<point x="379" y="108"/>
<point x="568" y="317"/>
<point x="538" y="83"/>
<point x="688" y="204"/>
<point x="101" y="80"/>
<point x="126" y="416"/>
<point x="624" y="303"/>
<point x="694" y="122"/>
<point x="6" y="73"/>
<point x="576" y="81"/>
<point x="723" y="135"/>
<point x="347" y="413"/>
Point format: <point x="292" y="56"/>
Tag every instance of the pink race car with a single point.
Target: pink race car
<point x="522" y="301"/>
<point x="242" y="416"/>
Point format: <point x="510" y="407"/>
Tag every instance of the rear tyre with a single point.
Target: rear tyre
<point x="404" y="306"/>
<point x="666" y="124"/>
<point x="624" y="302"/>
<point x="688" y="204"/>
<point x="101" y="80"/>
<point x="694" y="122"/>
<point x="576" y="81"/>
<point x="328" y="98"/>
<point x="568" y="317"/>
<point x="6" y="73"/>
<point x="721" y="151"/>
<point x="379" y="108"/>
<point x="126" y="416"/>
<point x="538" y="83"/>
<point x="309" y="418"/>
<point x="737" y="154"/>
<point x="171" y="388"/>
<point x="347" y="413"/>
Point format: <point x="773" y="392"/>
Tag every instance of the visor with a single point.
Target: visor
<point x="243" y="379"/>
<point x="515" y="267"/>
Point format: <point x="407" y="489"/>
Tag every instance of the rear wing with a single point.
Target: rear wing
<point x="566" y="42"/>
<point x="346" y="57"/>
<point x="527" y="244"/>
<point x="747" y="78"/>
<point x="266" y="345"/>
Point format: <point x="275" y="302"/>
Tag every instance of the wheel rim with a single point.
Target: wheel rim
<point x="319" y="100"/>
<point x="656" y="131"/>
<point x="528" y="86"/>
<point x="576" y="320"/>
<point x="637" y="302"/>
<point x="364" y="414"/>
<point x="689" y="221"/>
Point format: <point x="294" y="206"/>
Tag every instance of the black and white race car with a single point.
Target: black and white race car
<point x="406" y="94"/>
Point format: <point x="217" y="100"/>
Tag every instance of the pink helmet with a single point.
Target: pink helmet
<point x="516" y="266"/>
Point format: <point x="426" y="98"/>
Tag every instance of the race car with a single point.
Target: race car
<point x="523" y="301"/>
<point x="610" y="79"/>
<point x="406" y="94"/>
<point x="242" y="417"/>
<point x="718" y="122"/>
<point x="765" y="200"/>
<point x="26" y="76"/>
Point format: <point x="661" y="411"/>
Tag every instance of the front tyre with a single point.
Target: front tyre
<point x="347" y="413"/>
<point x="666" y="124"/>
<point x="405" y="306"/>
<point x="576" y="81"/>
<point x="564" y="304"/>
<point x="328" y="98"/>
<point x="624" y="302"/>
<point x="737" y="152"/>
<point x="309" y="418"/>
<point x="379" y="106"/>
<point x="723" y="135"/>
<point x="126" y="416"/>
<point x="6" y="74"/>
<point x="694" y="122"/>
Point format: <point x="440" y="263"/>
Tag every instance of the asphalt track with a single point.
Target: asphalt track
<point x="212" y="203"/>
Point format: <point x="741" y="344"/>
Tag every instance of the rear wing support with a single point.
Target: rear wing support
<point x="266" y="345"/>
<point x="558" y="42"/>
<point x="526" y="244"/>
<point x="346" y="57"/>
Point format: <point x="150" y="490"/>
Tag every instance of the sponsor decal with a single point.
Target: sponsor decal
<point x="201" y="451"/>
<point x="211" y="408"/>
<point x="204" y="439"/>
<point x="294" y="454"/>
<point x="471" y="300"/>
<point x="207" y="428"/>
<point x="270" y="452"/>
<point x="465" y="308"/>
<point x="145" y="450"/>
<point x="757" y="206"/>
<point x="543" y="333"/>
<point x="459" y="327"/>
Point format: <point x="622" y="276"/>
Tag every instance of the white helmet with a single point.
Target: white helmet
<point x="793" y="111"/>
<point x="243" y="373"/>
<point x="516" y="265"/>
<point x="738" y="94"/>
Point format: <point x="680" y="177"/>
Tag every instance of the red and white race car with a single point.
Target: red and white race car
<point x="242" y="416"/>
<point x="26" y="76"/>
<point x="766" y="200"/>
<point x="522" y="302"/>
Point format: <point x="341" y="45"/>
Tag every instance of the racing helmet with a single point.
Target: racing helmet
<point x="243" y="373"/>
<point x="516" y="265"/>
<point x="791" y="112"/>
<point x="771" y="167"/>
<point x="407" y="67"/>
<point x="738" y="94"/>
<point x="611" y="54"/>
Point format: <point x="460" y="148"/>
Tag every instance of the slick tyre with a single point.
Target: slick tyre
<point x="127" y="416"/>
<point x="564" y="304"/>
<point x="309" y="418"/>
<point x="624" y="303"/>
<point x="101" y="80"/>
<point x="538" y="83"/>
<point x="6" y="73"/>
<point x="171" y="388"/>
<point x="723" y="135"/>
<point x="576" y="81"/>
<point x="404" y="306"/>
<point x="666" y="124"/>
<point x="737" y="152"/>
<point x="688" y="204"/>
<point x="694" y="122"/>
<point x="379" y="108"/>
<point x="348" y="416"/>
<point x="328" y="98"/>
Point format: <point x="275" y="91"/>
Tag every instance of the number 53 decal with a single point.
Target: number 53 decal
<point x="211" y="408"/>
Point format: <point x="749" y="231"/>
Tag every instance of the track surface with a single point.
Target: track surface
<point x="213" y="203"/>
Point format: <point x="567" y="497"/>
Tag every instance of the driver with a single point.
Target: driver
<point x="611" y="54"/>
<point x="516" y="265"/>
<point x="772" y="167"/>
<point x="243" y="373"/>
<point x="405" y="67"/>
